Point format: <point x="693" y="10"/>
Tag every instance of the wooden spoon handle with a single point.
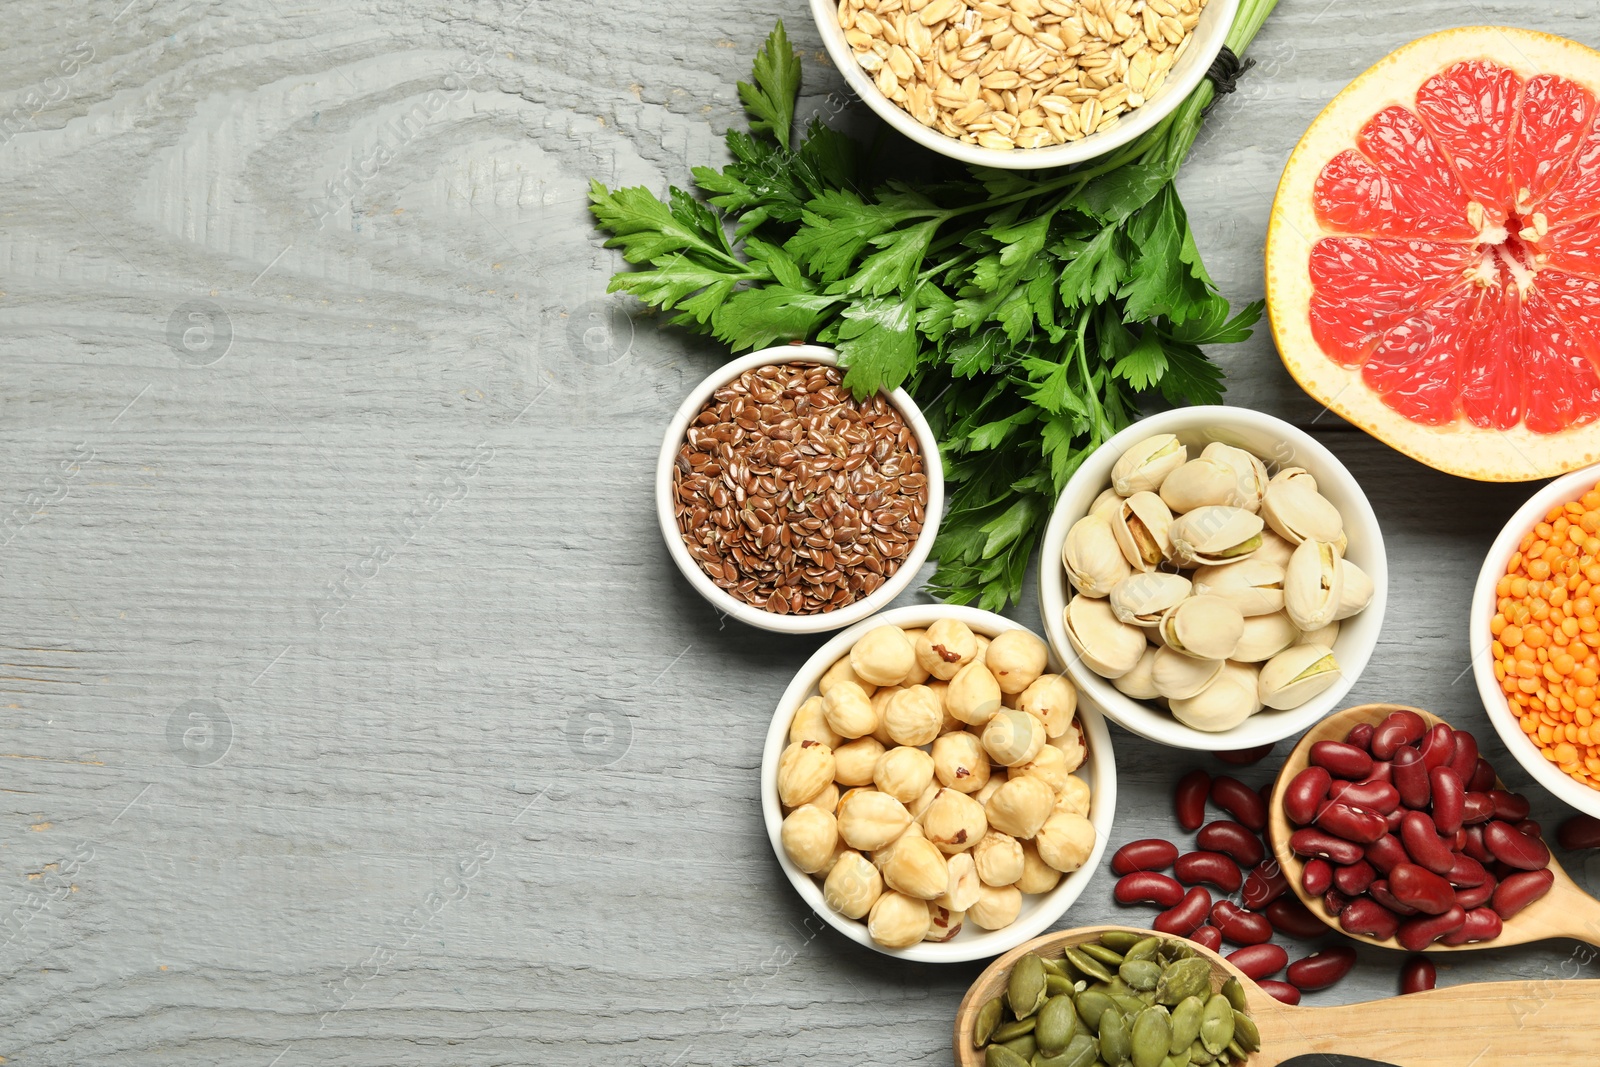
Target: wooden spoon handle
<point x="1549" y="1022"/>
<point x="1566" y="911"/>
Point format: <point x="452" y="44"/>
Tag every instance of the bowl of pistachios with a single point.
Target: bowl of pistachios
<point x="1213" y="578"/>
<point x="932" y="786"/>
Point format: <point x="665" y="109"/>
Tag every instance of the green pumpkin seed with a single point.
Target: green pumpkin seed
<point x="1152" y="1031"/>
<point x="1237" y="1051"/>
<point x="1057" y="986"/>
<point x="1216" y="1026"/>
<point x="1245" y="1031"/>
<point x="1115" y="1042"/>
<point x="1144" y="949"/>
<point x="1140" y="974"/>
<point x="1108" y="956"/>
<point x="1054" y="966"/>
<point x="1183" y="978"/>
<point x="1024" y="1046"/>
<point x="1118" y="988"/>
<point x="1235" y="994"/>
<point x="1174" y="950"/>
<point x="1081" y="1051"/>
<point x="1091" y="1004"/>
<point x="1128" y="1005"/>
<point x="988" y="1019"/>
<point x="1087" y="965"/>
<point x="1186" y="1024"/>
<point x="1000" y="1056"/>
<point x="1025" y="989"/>
<point x="1120" y="940"/>
<point x="1180" y="1059"/>
<point x="1015" y="1028"/>
<point x="1198" y="1053"/>
<point x="1057" y="1025"/>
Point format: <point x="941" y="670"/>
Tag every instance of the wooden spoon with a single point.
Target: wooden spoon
<point x="1493" y="1024"/>
<point x="1565" y="911"/>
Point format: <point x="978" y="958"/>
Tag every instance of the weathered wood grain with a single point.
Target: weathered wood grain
<point x="353" y="711"/>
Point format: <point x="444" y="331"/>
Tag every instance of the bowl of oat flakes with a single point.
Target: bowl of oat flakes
<point x="1023" y="84"/>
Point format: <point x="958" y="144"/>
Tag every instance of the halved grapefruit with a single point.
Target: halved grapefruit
<point x="1433" y="260"/>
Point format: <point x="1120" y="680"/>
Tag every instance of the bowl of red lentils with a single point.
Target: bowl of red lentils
<point x="792" y="504"/>
<point x="1535" y="636"/>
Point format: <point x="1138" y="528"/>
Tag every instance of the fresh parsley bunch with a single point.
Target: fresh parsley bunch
<point x="1026" y="313"/>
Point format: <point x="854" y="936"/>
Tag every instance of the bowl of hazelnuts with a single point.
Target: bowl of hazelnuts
<point x="932" y="787"/>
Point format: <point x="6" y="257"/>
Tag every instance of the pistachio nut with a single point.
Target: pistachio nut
<point x="804" y="769"/>
<point x="1325" y="636"/>
<point x="883" y="655"/>
<point x="1205" y="627"/>
<point x="1074" y="796"/>
<point x="1176" y="676"/>
<point x="1106" y="503"/>
<point x="1107" y="645"/>
<point x="1254" y="585"/>
<point x="869" y="819"/>
<point x="1073" y="750"/>
<point x="943" y="924"/>
<point x="1141" y="599"/>
<point x="998" y="858"/>
<point x="913" y="716"/>
<point x="903" y="772"/>
<point x="1297" y="674"/>
<point x="1141" y="526"/>
<point x="1355" y="590"/>
<point x="1313" y="585"/>
<point x="1020" y="806"/>
<point x="1012" y="737"/>
<point x="1053" y="700"/>
<point x="996" y="907"/>
<point x="1274" y="549"/>
<point x="848" y="710"/>
<point x="1037" y="875"/>
<point x="1215" y="534"/>
<point x="1050" y="764"/>
<point x="1140" y="683"/>
<point x="916" y="868"/>
<point x="1265" y="636"/>
<point x="1093" y="560"/>
<point x="1199" y="483"/>
<point x="1223" y="704"/>
<point x="973" y="695"/>
<point x="945" y="647"/>
<point x="1145" y="465"/>
<point x="1297" y="512"/>
<point x="954" y="822"/>
<point x="809" y="835"/>
<point x="1250" y="474"/>
<point x="959" y="762"/>
<point x="853" y="885"/>
<point x="961" y="892"/>
<point x="1065" y="841"/>
<point x="1016" y="658"/>
<point x="855" y="761"/>
<point x="897" y="920"/>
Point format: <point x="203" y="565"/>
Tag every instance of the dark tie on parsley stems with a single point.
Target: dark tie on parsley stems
<point x="1026" y="313"/>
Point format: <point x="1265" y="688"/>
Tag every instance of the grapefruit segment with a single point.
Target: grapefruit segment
<point x="1577" y="302"/>
<point x="1471" y="110"/>
<point x="1555" y="117"/>
<point x="1577" y="193"/>
<point x="1417" y="366"/>
<point x="1365" y="286"/>
<point x="1550" y="355"/>
<point x="1575" y="248"/>
<point x="1491" y="376"/>
<point x="1418" y="172"/>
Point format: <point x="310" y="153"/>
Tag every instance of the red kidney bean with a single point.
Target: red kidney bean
<point x="1449" y="795"/>
<point x="1464" y="755"/>
<point x="1423" y="845"/>
<point x="1410" y="777"/>
<point x="1232" y="839"/>
<point x="1482" y="925"/>
<point x="1240" y="801"/>
<point x="1379" y="891"/>
<point x="1385" y="852"/>
<point x="1500" y="870"/>
<point x="1382" y="771"/>
<point x="1317" y="877"/>
<point x="1305" y="794"/>
<point x="1264" y="884"/>
<point x="1185" y="917"/>
<point x="1509" y="807"/>
<point x="1209" y="936"/>
<point x="1418" y="975"/>
<point x="1148" y="854"/>
<point x="1244" y="757"/>
<point x="1514" y="849"/>
<point x="1259" y="961"/>
<point x="1189" y="799"/>
<point x="1293" y="919"/>
<point x="1473" y="845"/>
<point x="1529" y="828"/>
<point x="1417" y="934"/>
<point x="1420" y="888"/>
<point x="1360" y="735"/>
<point x="1579" y="832"/>
<point x="1280" y="991"/>
<point x="1438" y="746"/>
<point x="1239" y="926"/>
<point x="1342" y="760"/>
<point x="1476" y="808"/>
<point x="1476" y="896"/>
<point x="1366" y="916"/>
<point x="1317" y="843"/>
<point x="1212" y="868"/>
<point x="1353" y="880"/>
<point x="1335" y="902"/>
<point x="1395" y="733"/>
<point x="1321" y="969"/>
<point x="1519" y="890"/>
<point x="1380" y="797"/>
<point x="1394" y="819"/>
<point x="1148" y="887"/>
<point x="1482" y="778"/>
<point x="1466" y="872"/>
<point x="1352" y="823"/>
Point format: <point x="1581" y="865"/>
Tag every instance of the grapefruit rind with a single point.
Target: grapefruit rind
<point x="1460" y="448"/>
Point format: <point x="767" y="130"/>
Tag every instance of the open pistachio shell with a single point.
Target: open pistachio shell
<point x="1254" y="585"/>
<point x="1106" y="503"/>
<point x="1297" y="674"/>
<point x="1326" y="636"/>
<point x="1139" y="683"/>
<point x="1265" y="636"/>
<point x="1297" y="512"/>
<point x="1199" y="483"/>
<point x="1313" y="585"/>
<point x="1250" y="474"/>
<point x="1274" y="549"/>
<point x="1092" y="558"/>
<point x="1141" y="599"/>
<point x="1141" y="526"/>
<point x="1215" y="534"/>
<point x="1144" y="466"/>
<point x="1205" y="627"/>
<point x="1176" y="676"/>
<point x="1355" y="590"/>
<point x="1224" y="704"/>
<point x="1107" y="646"/>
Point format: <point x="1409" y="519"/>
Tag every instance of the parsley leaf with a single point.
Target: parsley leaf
<point x="770" y="100"/>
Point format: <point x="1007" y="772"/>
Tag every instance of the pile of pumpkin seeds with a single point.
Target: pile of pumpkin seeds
<point x="1124" y="999"/>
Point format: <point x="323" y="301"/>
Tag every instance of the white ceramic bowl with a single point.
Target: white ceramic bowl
<point x="767" y="620"/>
<point x="1039" y="911"/>
<point x="1279" y="445"/>
<point x="1185" y="76"/>
<point x="1560" y="491"/>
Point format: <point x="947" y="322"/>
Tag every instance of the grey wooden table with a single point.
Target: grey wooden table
<point x="354" y="713"/>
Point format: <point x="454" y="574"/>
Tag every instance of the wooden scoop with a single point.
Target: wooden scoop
<point x="1494" y="1024"/>
<point x="1565" y="911"/>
